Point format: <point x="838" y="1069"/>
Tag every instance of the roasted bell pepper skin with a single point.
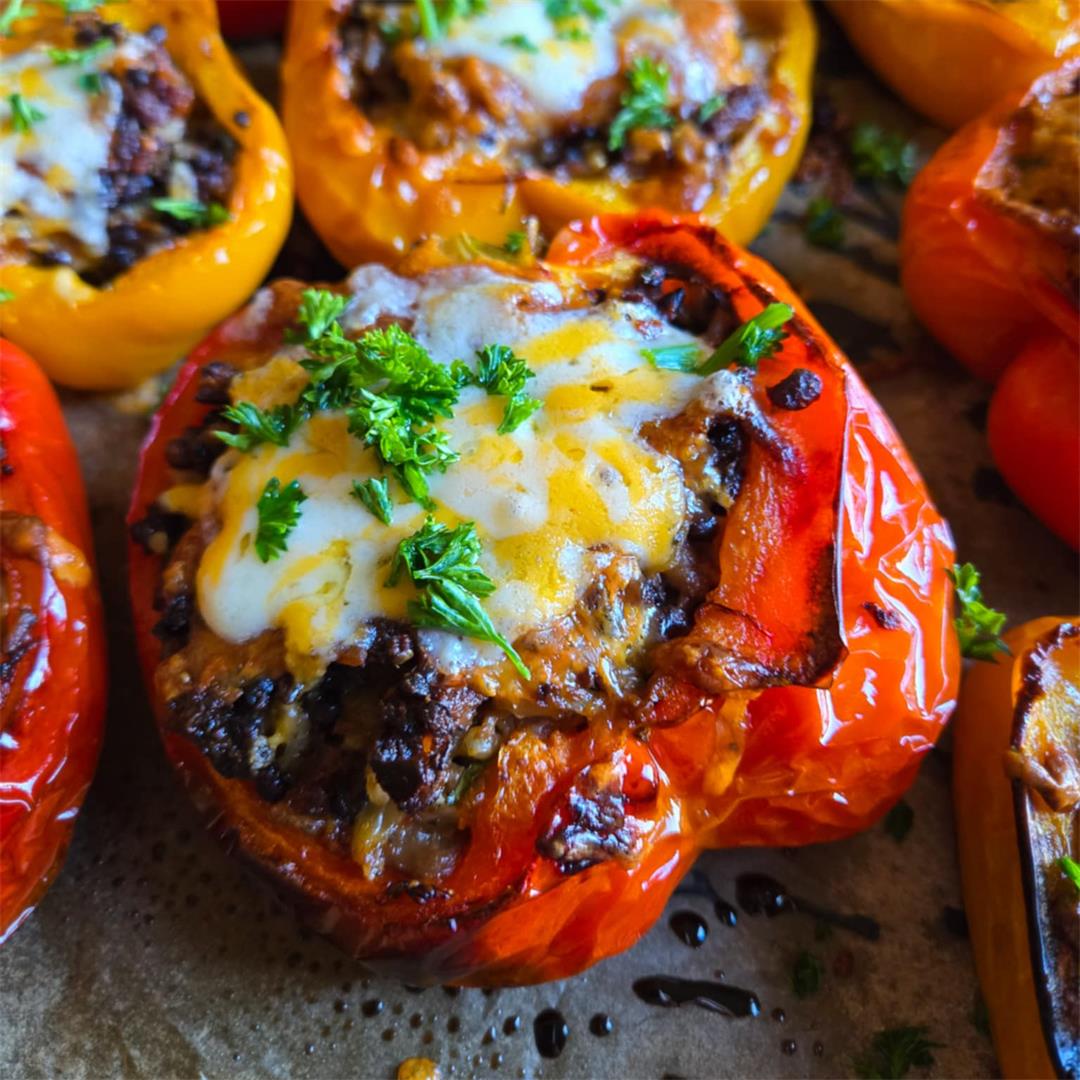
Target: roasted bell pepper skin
<point x="952" y="59"/>
<point x="993" y="290"/>
<point x="52" y="695"/>
<point x="252" y="18"/>
<point x="817" y="763"/>
<point x="150" y="316"/>
<point x="368" y="206"/>
<point x="990" y="852"/>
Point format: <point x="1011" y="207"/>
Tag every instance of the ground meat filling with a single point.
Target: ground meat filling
<point x="384" y="723"/>
<point x="467" y="106"/>
<point x="165" y="144"/>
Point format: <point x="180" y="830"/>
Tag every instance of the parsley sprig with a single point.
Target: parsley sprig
<point x="23" y="115"/>
<point x="503" y="374"/>
<point x="443" y="564"/>
<point x="257" y="426"/>
<point x="684" y="357"/>
<point x="644" y="103"/>
<point x="823" y="223"/>
<point x="882" y="155"/>
<point x="192" y="212"/>
<point x="374" y="493"/>
<point x="757" y="339"/>
<point x="436" y="15"/>
<point x="66" y="57"/>
<point x="894" y="1052"/>
<point x="1071" y="869"/>
<point x="279" y="512"/>
<point x="977" y="626"/>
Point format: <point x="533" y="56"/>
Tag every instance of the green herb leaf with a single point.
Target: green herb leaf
<point x="375" y="495"/>
<point x="644" y="103"/>
<point x="437" y="15"/>
<point x="319" y="308"/>
<point x="6" y="295"/>
<point x="279" y="512"/>
<point x="519" y="41"/>
<point x="443" y="564"/>
<point x="561" y="10"/>
<point x="711" y="107"/>
<point x="1071" y="869"/>
<point x="501" y="373"/>
<point x="823" y="223"/>
<point x="756" y="340"/>
<point x="882" y="155"/>
<point x="571" y="33"/>
<point x="806" y="975"/>
<point x="894" y="1052"/>
<point x="200" y="215"/>
<point x="259" y="426"/>
<point x="898" y="821"/>
<point x="64" y="57"/>
<point x="92" y="82"/>
<point x="16" y="9"/>
<point x="977" y="626"/>
<point x="75" y="7"/>
<point x="674" y="357"/>
<point x="470" y="773"/>
<point x="23" y="115"/>
<point x="515" y="242"/>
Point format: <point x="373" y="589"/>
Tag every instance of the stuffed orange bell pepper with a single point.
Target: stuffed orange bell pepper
<point x="52" y="669"/>
<point x="953" y="59"/>
<point x="434" y="119"/>
<point x="988" y="257"/>
<point x="147" y="190"/>
<point x="1016" y="784"/>
<point x="477" y="600"/>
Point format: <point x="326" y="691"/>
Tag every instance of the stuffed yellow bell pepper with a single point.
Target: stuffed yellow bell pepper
<point x="411" y="120"/>
<point x="147" y="187"/>
<point x="1016" y="783"/>
<point x="953" y="59"/>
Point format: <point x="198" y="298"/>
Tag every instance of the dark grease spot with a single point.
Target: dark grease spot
<point x="668" y="991"/>
<point x="727" y="914"/>
<point x="551" y="1032"/>
<point x="690" y="928"/>
<point x="759" y="894"/>
<point x="373" y="1007"/>
<point x="788" y="1047"/>
<point x="955" y="921"/>
<point x="601" y="1025"/>
<point x="511" y="1025"/>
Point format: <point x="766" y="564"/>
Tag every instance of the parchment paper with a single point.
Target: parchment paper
<point x="154" y="956"/>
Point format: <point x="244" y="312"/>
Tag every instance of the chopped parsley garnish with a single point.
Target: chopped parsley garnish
<point x="882" y="155"/>
<point x="16" y="9"/>
<point x="503" y="374"/>
<point x="823" y="223"/>
<point x="75" y="7"/>
<point x="561" y="10"/>
<point x="191" y="211"/>
<point x="92" y="82"/>
<point x="674" y="357"/>
<point x="977" y="626"/>
<point x="318" y="309"/>
<point x="806" y="975"/>
<point x="898" y="821"/>
<point x="644" y="103"/>
<point x="279" y="511"/>
<point x="894" y="1052"/>
<point x="757" y="339"/>
<point x="571" y="33"/>
<point x="711" y="107"/>
<point x="515" y="242"/>
<point x="437" y="15"/>
<point x="259" y="426"/>
<point x="375" y="495"/>
<point x="23" y="115"/>
<point x="1071" y="869"/>
<point x="470" y="773"/>
<point x="65" y="57"/>
<point x="6" y="295"/>
<point x="519" y="41"/>
<point x="444" y="566"/>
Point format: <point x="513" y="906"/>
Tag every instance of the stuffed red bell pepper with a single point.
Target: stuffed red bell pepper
<point x="52" y="667"/>
<point x="477" y="600"/>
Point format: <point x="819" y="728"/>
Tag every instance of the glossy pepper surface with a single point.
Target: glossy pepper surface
<point x="371" y="200"/>
<point x="52" y="690"/>
<point x="803" y="764"/>
<point x="953" y="59"/>
<point x="997" y="292"/>
<point x="995" y="854"/>
<point x="149" y="316"/>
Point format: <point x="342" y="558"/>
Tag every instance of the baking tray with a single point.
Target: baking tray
<point x="155" y="956"/>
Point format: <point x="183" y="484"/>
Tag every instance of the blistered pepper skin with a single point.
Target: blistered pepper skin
<point x="53" y="697"/>
<point x="990" y="288"/>
<point x="369" y="203"/>
<point x="953" y="59"/>
<point x="151" y="315"/>
<point x="816" y="764"/>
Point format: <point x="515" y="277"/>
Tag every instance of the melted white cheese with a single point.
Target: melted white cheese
<point x="51" y="175"/>
<point x="557" y="72"/>
<point x="574" y="476"/>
